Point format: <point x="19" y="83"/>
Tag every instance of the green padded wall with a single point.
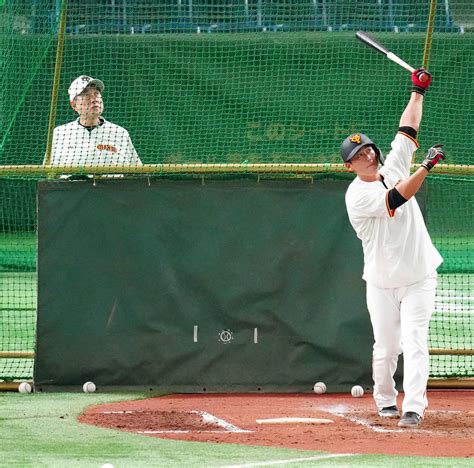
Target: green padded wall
<point x="268" y="271"/>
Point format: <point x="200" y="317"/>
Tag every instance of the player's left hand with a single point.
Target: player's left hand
<point x="435" y="153"/>
<point x="421" y="80"/>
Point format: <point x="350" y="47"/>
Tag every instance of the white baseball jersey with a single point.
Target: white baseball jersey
<point x="397" y="248"/>
<point x="106" y="145"/>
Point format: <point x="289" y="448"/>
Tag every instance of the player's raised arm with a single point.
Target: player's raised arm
<point x="412" y="114"/>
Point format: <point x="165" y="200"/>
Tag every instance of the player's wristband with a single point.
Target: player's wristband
<point x="419" y="90"/>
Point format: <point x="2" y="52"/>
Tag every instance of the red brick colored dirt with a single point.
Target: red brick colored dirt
<point x="447" y="429"/>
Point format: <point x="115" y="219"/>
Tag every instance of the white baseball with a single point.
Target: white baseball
<point x="24" y="387"/>
<point x="319" y="388"/>
<point x="357" y="391"/>
<point x="89" y="387"/>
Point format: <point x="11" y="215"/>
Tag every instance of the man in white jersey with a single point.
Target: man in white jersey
<point x="90" y="140"/>
<point x="400" y="260"/>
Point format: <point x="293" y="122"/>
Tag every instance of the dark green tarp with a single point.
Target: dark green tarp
<point x="190" y="285"/>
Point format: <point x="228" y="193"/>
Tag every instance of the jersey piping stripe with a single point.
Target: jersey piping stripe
<point x="391" y="212"/>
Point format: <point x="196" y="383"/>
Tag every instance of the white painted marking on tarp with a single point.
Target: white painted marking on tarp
<point x="195" y="335"/>
<point x="255" y="335"/>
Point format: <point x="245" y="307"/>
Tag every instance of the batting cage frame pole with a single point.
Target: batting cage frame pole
<point x="154" y="169"/>
<point x="56" y="80"/>
<point x="462" y="383"/>
<point x="429" y="34"/>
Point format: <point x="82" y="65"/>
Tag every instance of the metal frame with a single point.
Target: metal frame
<point x="197" y="168"/>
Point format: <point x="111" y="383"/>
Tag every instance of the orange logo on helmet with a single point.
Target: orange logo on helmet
<point x="355" y="138"/>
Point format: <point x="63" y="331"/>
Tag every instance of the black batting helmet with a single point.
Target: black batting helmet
<point x="355" y="142"/>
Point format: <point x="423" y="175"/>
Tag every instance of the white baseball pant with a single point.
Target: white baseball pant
<point x="400" y="321"/>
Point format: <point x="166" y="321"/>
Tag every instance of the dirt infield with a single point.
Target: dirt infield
<point x="447" y="430"/>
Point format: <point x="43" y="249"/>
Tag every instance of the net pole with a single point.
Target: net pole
<point x="451" y="352"/>
<point x="451" y="383"/>
<point x="56" y="78"/>
<point x="429" y="34"/>
<point x="197" y="168"/>
<point x="428" y="39"/>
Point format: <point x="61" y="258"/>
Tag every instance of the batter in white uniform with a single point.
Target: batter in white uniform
<point x="91" y="140"/>
<point x="400" y="260"/>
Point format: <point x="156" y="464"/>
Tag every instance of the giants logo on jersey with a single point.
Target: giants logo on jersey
<point x="102" y="147"/>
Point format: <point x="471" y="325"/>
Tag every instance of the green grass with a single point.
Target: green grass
<point x="42" y="430"/>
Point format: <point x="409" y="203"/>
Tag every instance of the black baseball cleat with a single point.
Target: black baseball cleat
<point x="389" y="412"/>
<point x="410" y="419"/>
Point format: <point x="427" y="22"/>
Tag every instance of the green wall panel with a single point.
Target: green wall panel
<point x="128" y="268"/>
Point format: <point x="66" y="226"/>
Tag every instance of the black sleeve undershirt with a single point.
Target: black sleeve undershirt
<point x="394" y="199"/>
<point x="409" y="131"/>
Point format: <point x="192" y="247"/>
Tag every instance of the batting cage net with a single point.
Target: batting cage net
<point x="232" y="87"/>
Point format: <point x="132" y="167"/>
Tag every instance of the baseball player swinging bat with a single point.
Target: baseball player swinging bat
<point x="371" y="42"/>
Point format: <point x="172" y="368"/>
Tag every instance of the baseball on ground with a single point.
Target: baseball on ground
<point x="357" y="391"/>
<point x="319" y="387"/>
<point x="89" y="387"/>
<point x="24" y="387"/>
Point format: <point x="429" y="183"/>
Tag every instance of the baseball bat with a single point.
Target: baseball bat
<point x="371" y="42"/>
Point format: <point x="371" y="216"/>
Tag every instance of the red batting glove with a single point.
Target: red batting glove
<point x="435" y="153"/>
<point x="420" y="86"/>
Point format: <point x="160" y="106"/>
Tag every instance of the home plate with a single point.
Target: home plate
<point x="294" y="421"/>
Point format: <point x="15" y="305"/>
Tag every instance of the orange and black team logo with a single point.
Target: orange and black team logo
<point x="355" y="138"/>
<point x="102" y="147"/>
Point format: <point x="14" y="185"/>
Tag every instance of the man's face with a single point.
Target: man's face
<point x="89" y="103"/>
<point x="365" y="162"/>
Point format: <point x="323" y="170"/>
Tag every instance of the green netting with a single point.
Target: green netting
<point x="235" y="81"/>
<point x="449" y="216"/>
